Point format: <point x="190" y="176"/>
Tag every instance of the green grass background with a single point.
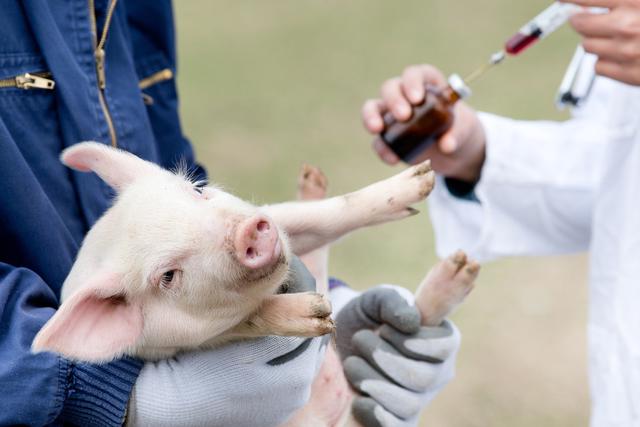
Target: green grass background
<point x="268" y="85"/>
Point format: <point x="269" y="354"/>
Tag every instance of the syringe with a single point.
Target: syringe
<point x="538" y="28"/>
<point x="541" y="26"/>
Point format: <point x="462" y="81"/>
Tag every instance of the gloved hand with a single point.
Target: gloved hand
<point x="400" y="370"/>
<point x="248" y="383"/>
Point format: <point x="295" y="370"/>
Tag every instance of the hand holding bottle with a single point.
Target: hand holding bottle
<point x="459" y="153"/>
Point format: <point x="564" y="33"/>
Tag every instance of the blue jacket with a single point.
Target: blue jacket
<point x="46" y="209"/>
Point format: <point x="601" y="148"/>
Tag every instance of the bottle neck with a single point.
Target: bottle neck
<point x="449" y="95"/>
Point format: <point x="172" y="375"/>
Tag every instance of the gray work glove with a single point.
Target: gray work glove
<point x="399" y="369"/>
<point x="258" y="382"/>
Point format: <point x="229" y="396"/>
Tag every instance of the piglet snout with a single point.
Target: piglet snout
<point x="257" y="242"/>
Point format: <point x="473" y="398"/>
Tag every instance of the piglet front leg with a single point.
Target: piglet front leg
<point x="313" y="224"/>
<point x="305" y="314"/>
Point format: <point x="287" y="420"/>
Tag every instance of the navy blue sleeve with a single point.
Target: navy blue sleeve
<point x="462" y="189"/>
<point x="152" y="34"/>
<point x="42" y="389"/>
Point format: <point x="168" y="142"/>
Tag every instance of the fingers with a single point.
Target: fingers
<point x="371" y="309"/>
<point x="618" y="71"/>
<point x="595" y="3"/>
<point x="595" y="25"/>
<point x="364" y="411"/>
<point x="413" y="83"/>
<point x="370" y="414"/>
<point x="429" y="344"/>
<point x="386" y="306"/>
<point x="372" y="115"/>
<point x="606" y="49"/>
<point x="399" y="94"/>
<point x="414" y="79"/>
<point x="395" y="100"/>
<point x="401" y="402"/>
<point x="411" y="374"/>
<point x="358" y="370"/>
<point x="615" y="38"/>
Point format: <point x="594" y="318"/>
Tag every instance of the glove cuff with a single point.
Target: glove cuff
<point x="340" y="294"/>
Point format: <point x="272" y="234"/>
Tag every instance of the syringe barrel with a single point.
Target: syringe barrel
<point x="550" y="19"/>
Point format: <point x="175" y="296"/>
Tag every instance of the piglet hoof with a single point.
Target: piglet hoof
<point x="312" y="183"/>
<point x="319" y="315"/>
<point x="420" y="179"/>
<point x="394" y="196"/>
<point x="311" y="317"/>
<point x="319" y="305"/>
<point x="446" y="286"/>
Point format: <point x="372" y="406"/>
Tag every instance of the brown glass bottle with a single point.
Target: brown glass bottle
<point x="428" y="122"/>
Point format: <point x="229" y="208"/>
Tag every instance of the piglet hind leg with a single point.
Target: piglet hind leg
<point x="445" y="287"/>
<point x="313" y="185"/>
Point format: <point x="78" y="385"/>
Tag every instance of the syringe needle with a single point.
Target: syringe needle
<point x="495" y="59"/>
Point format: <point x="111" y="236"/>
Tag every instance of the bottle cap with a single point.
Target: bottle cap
<point x="459" y="86"/>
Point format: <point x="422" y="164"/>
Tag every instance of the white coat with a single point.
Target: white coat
<point x="562" y="187"/>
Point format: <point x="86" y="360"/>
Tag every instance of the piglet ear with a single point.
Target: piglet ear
<point x="97" y="324"/>
<point x="116" y="167"/>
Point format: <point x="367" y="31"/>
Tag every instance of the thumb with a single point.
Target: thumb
<point x="448" y="143"/>
<point x="371" y="309"/>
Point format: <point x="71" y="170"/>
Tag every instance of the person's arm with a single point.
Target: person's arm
<point x="533" y="182"/>
<point x="535" y="193"/>
<point x="41" y="389"/>
<point x="153" y="36"/>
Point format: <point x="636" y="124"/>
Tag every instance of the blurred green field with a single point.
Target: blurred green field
<point x="268" y="85"/>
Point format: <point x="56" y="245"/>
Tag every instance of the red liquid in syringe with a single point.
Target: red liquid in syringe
<point x="519" y="42"/>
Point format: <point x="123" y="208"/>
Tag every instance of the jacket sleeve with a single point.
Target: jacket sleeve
<point x="152" y="30"/>
<point x="536" y="192"/>
<point x="42" y="389"/>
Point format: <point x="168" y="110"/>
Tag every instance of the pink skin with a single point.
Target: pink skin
<point x="257" y="244"/>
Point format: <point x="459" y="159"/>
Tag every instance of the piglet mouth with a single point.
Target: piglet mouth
<point x="266" y="273"/>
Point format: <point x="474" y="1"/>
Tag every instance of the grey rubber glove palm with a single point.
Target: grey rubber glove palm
<point x="257" y="382"/>
<point x="399" y="369"/>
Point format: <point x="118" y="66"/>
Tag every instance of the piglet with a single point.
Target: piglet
<point x="173" y="266"/>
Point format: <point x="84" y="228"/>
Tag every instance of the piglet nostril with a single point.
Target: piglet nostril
<point x="251" y="253"/>
<point x="263" y="226"/>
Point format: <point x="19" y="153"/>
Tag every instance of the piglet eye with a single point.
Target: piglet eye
<point x="167" y="278"/>
<point x="198" y="190"/>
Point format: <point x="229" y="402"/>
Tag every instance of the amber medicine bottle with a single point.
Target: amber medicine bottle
<point x="428" y="122"/>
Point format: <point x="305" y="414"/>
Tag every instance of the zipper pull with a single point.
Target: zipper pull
<point x="102" y="78"/>
<point x="31" y="81"/>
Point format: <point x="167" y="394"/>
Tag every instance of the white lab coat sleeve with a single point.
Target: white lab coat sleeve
<point x="535" y="194"/>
